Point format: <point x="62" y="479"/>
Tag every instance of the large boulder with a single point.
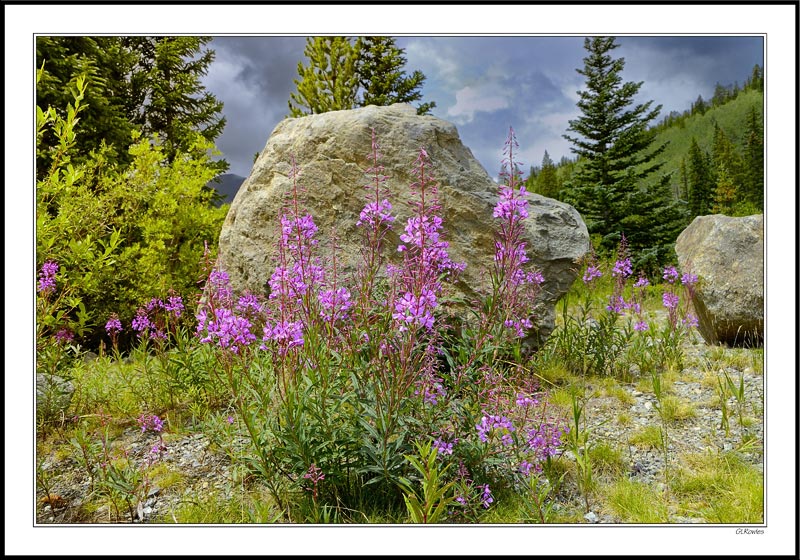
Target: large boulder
<point x="727" y="255"/>
<point x="331" y="150"/>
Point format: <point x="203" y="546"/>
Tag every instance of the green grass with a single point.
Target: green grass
<point x="720" y="488"/>
<point x="648" y="437"/>
<point x="674" y="409"/>
<point x="607" y="459"/>
<point x="635" y="502"/>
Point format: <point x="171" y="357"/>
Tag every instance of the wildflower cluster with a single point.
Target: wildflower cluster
<point x="222" y="321"/>
<point x="47" y="278"/>
<point x="155" y="321"/>
<point x="514" y="287"/>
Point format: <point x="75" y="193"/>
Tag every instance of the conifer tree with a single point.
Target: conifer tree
<point x="547" y="183"/>
<point x="106" y="117"/>
<point x="700" y="180"/>
<point x="381" y="76"/>
<point x="330" y="81"/>
<point x="175" y="104"/>
<point x="725" y="193"/>
<point x="754" y="161"/>
<point x="613" y="142"/>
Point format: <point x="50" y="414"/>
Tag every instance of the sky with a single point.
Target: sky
<point x="482" y="84"/>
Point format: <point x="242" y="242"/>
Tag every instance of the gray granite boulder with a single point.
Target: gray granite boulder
<point x="331" y="150"/>
<point x="727" y="255"/>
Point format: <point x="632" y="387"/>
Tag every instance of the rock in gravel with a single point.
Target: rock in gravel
<point x="331" y="150"/>
<point x="727" y="255"/>
<point x="591" y="517"/>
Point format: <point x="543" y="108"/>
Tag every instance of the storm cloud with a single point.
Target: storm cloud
<point x="483" y="85"/>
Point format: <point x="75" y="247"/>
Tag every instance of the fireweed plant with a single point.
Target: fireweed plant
<point x="346" y="383"/>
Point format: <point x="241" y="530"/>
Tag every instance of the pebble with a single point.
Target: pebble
<point x="591" y="517"/>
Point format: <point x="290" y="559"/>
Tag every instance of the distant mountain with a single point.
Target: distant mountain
<point x="227" y="185"/>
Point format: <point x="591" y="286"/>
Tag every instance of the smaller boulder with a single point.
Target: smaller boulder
<point x="727" y="255"/>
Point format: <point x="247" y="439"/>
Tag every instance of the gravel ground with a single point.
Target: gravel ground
<point x="205" y="469"/>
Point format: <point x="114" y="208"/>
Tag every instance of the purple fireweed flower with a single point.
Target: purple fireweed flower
<point x="617" y="304"/>
<point x="622" y="268"/>
<point x="157" y="334"/>
<point x="545" y="441"/>
<point x="174" y="305"/>
<point x="375" y="214"/>
<point x="334" y="304"/>
<point x="670" y="300"/>
<point x="47" y="278"/>
<point x="154" y="304"/>
<point x="592" y="272"/>
<point x="230" y="419"/>
<point x="141" y="323"/>
<point x="227" y="330"/>
<point x="113" y="325"/>
<point x="64" y="336"/>
<point x="524" y="400"/>
<point x="525" y="468"/>
<point x="486" y="497"/>
<point x="298" y="232"/>
<point x="642" y="282"/>
<point x="219" y="284"/>
<point x="691" y="320"/>
<point x="411" y="310"/>
<point x="670" y="274"/>
<point x="495" y="422"/>
<point x="150" y="422"/>
<point x="249" y="304"/>
<point x="443" y="447"/>
<point x="314" y="474"/>
<point x="688" y="279"/>
<point x="640" y="326"/>
<point x="512" y="205"/>
<point x="288" y="334"/>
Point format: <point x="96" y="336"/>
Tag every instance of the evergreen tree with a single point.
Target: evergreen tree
<point x="613" y="143"/>
<point x="381" y="76"/>
<point x="700" y="180"/>
<point x="754" y="162"/>
<point x="106" y="117"/>
<point x="174" y="103"/>
<point x="547" y="183"/>
<point x="330" y="81"/>
<point x="653" y="221"/>
<point x="725" y="193"/>
<point x="683" y="188"/>
<point x="725" y="158"/>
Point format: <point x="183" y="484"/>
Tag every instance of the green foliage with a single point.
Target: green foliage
<point x="431" y="505"/>
<point x="151" y="84"/>
<point x="381" y="77"/>
<point x="617" y="153"/>
<point x="177" y="106"/>
<point x="547" y="183"/>
<point x="104" y="63"/>
<point x="121" y="234"/>
<point x="342" y="74"/>
<point x="330" y="81"/>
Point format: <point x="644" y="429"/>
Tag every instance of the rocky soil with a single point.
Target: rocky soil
<point x="612" y="418"/>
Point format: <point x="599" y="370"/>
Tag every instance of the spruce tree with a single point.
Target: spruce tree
<point x="107" y="114"/>
<point x="754" y="162"/>
<point x="614" y="144"/>
<point x="547" y="183"/>
<point x="330" y="81"/>
<point x="175" y="104"/>
<point x="381" y="76"/>
<point x="725" y="193"/>
<point x="700" y="180"/>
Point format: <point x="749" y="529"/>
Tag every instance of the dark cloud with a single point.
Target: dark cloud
<point x="481" y="84"/>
